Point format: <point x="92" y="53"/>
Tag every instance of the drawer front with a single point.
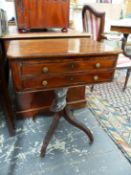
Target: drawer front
<point x="58" y="81"/>
<point x="76" y="66"/>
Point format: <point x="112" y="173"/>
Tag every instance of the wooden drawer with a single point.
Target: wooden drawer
<point x="68" y="66"/>
<point x="64" y="80"/>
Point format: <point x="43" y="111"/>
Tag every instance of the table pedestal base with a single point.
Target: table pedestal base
<point x="67" y="114"/>
<point x="60" y="107"/>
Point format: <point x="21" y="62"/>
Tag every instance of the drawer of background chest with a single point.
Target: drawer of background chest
<point x="67" y="66"/>
<point x="64" y="80"/>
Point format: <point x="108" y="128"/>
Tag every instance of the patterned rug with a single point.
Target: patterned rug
<point x="112" y="107"/>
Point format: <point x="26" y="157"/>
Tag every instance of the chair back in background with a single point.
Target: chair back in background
<point x="93" y="22"/>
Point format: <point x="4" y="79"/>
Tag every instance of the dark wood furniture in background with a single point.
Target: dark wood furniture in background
<point x="124" y="26"/>
<point x="42" y="14"/>
<point x="32" y="103"/>
<point x="4" y="95"/>
<point x="38" y="65"/>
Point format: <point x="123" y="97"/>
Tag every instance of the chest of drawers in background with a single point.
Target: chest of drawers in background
<point x="42" y="14"/>
<point x="43" y="65"/>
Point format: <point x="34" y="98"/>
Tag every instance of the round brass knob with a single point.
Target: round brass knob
<point x="95" y="77"/>
<point x="98" y="65"/>
<point x="44" y="83"/>
<point x="45" y="69"/>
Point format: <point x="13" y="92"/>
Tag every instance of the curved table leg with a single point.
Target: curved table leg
<point x="127" y="77"/>
<point x="69" y="117"/>
<point x="50" y="134"/>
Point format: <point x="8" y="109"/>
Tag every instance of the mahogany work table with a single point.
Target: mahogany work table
<point x="30" y="104"/>
<point x="58" y="64"/>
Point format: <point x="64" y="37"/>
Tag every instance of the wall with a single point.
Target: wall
<point x="8" y="7"/>
<point x="127" y="7"/>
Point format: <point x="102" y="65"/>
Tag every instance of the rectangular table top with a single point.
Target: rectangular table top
<point x="49" y="48"/>
<point x="123" y="26"/>
<point x="14" y="34"/>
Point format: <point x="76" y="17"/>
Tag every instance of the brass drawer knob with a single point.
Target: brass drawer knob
<point x="98" y="65"/>
<point x="44" y="83"/>
<point x="95" y="77"/>
<point x="45" y="69"/>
